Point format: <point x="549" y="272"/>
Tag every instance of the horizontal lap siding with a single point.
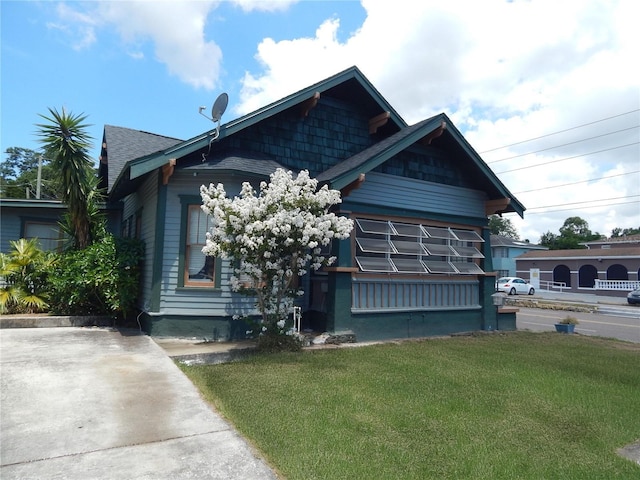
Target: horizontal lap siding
<point x="194" y="301"/>
<point x="147" y="198"/>
<point x="405" y="193"/>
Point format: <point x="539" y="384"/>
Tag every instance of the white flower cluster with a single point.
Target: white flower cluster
<point x="275" y="235"/>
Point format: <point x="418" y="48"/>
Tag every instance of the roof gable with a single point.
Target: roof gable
<point x="437" y="130"/>
<point x="349" y="84"/>
<point x="120" y="145"/>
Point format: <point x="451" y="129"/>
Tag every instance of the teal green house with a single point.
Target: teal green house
<point x="418" y="262"/>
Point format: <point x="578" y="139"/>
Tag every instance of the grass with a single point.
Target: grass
<point x="520" y="405"/>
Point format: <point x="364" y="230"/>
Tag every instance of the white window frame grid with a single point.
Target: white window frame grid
<point x="386" y="246"/>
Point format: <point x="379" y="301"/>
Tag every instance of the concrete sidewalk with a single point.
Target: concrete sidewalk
<point x="97" y="403"/>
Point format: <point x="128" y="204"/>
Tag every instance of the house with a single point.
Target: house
<point x="418" y="262"/>
<point x="504" y="251"/>
<point x="39" y="218"/>
<point x="606" y="267"/>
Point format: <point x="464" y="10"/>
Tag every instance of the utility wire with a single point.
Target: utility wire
<point x="588" y="201"/>
<point x="567" y="158"/>
<point x="576" y="183"/>
<point x="581" y="208"/>
<point x="563" y="145"/>
<point x="561" y="131"/>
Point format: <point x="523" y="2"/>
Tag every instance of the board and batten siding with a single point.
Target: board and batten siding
<point x="194" y="301"/>
<point x="390" y="191"/>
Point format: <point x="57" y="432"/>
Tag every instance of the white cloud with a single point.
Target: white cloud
<point x="504" y="72"/>
<point x="264" y="5"/>
<point x="177" y="32"/>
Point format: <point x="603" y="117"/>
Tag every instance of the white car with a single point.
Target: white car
<point x="514" y="285"/>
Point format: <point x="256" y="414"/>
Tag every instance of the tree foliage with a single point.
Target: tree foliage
<point x="19" y="174"/>
<point x="67" y="144"/>
<point x="624" y="232"/>
<point x="274" y="238"/>
<point x="502" y="226"/>
<point x="573" y="233"/>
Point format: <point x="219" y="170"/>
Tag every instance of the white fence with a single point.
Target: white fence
<point x="626" y="285"/>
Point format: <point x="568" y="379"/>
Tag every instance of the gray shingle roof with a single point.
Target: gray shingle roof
<point x="237" y="161"/>
<point x="502" y="241"/>
<point x="125" y="144"/>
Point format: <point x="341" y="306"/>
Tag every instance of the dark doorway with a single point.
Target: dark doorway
<point x="617" y="272"/>
<point x="587" y="276"/>
<point x="562" y="274"/>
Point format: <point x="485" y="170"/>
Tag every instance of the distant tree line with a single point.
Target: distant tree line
<point x="572" y="235"/>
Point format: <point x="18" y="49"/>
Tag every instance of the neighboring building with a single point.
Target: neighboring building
<point x="35" y="218"/>
<point x="418" y="262"/>
<point x="605" y="267"/>
<point x="504" y="251"/>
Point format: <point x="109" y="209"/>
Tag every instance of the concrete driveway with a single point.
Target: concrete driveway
<point x="97" y="403"/>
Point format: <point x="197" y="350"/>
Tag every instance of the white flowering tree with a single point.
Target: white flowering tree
<point x="273" y="238"/>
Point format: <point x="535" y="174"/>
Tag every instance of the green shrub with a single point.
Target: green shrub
<point x="101" y="279"/>
<point x="273" y="343"/>
<point x="23" y="275"/>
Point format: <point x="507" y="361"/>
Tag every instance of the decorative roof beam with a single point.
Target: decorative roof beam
<point x="167" y="170"/>
<point x="435" y="134"/>
<point x="497" y="206"/>
<point x="353" y="185"/>
<point x="378" y="121"/>
<point x="308" y="104"/>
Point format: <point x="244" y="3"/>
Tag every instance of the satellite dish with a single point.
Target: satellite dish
<point x="219" y="106"/>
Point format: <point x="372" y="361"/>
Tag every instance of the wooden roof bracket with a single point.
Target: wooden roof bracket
<point x="378" y="121"/>
<point x="308" y="104"/>
<point x="436" y="133"/>
<point x="497" y="206"/>
<point x="167" y="170"/>
<point x="353" y="185"/>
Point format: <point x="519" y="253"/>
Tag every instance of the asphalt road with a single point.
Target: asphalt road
<point x="623" y="326"/>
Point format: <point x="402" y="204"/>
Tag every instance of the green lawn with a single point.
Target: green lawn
<point x="518" y="405"/>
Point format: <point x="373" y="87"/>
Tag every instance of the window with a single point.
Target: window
<point x="47" y="233"/>
<point x="199" y="270"/>
<point x="393" y="247"/>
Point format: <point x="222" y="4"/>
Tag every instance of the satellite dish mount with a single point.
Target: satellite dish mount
<point x="218" y="108"/>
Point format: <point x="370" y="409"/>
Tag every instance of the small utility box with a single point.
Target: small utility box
<point x="498" y="299"/>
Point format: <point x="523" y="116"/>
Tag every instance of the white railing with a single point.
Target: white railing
<point x="548" y="285"/>
<point x="626" y="285"/>
<point x="297" y="318"/>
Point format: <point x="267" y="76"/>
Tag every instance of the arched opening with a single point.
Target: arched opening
<point x="562" y="274"/>
<point x="587" y="276"/>
<point x="617" y="272"/>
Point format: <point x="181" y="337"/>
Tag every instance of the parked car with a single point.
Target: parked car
<point x="633" y="297"/>
<point x="514" y="285"/>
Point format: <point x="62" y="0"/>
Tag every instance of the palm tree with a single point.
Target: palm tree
<point x="67" y="143"/>
<point x="23" y="276"/>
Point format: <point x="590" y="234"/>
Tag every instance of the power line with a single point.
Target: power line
<point x="568" y="158"/>
<point x="583" y="208"/>
<point x="561" y="131"/>
<point x="576" y="183"/>
<point x="588" y="201"/>
<point x="563" y="145"/>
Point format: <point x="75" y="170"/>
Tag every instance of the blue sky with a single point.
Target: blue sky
<point x="505" y="72"/>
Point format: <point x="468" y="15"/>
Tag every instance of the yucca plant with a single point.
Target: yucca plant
<point x="23" y="273"/>
<point x="67" y="144"/>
